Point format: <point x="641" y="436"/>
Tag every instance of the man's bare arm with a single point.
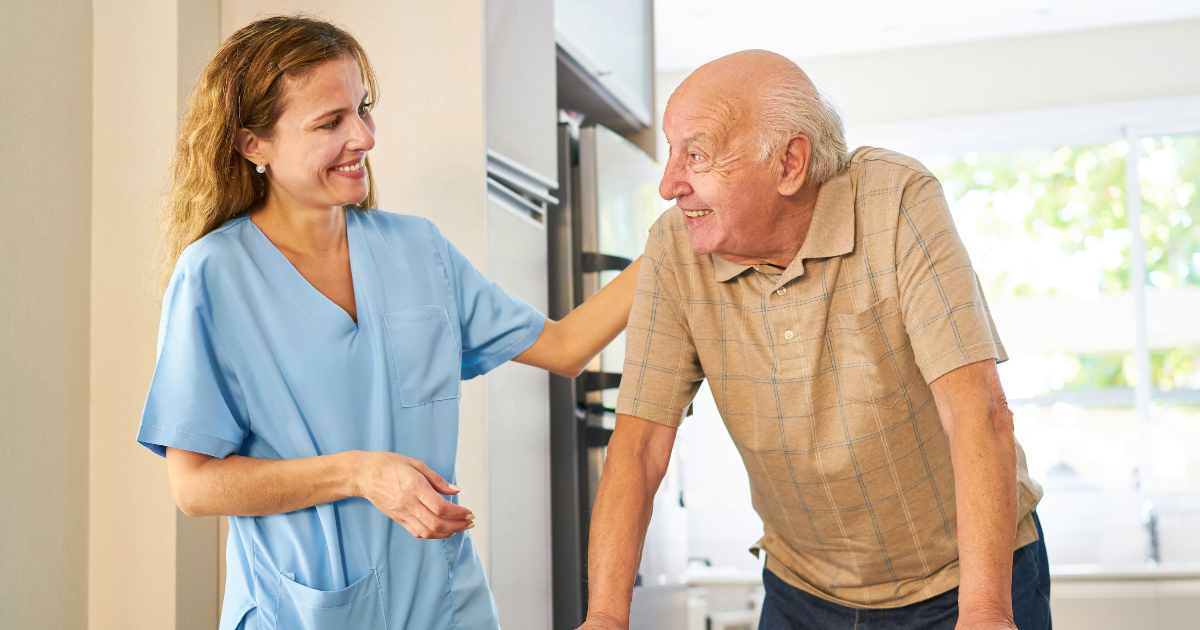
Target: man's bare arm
<point x="979" y="424"/>
<point x="638" y="454"/>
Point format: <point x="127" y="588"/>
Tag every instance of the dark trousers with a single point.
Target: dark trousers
<point x="789" y="608"/>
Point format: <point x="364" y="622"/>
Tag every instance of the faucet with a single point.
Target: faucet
<point x="1150" y="522"/>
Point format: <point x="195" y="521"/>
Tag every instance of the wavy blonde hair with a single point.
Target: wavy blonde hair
<point x="242" y="87"/>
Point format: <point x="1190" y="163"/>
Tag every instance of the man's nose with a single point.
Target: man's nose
<point x="673" y="184"/>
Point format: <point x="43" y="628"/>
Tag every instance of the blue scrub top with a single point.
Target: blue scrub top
<point x="253" y="360"/>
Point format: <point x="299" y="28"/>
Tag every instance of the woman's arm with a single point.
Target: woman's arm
<point x="566" y="347"/>
<point x="404" y="489"/>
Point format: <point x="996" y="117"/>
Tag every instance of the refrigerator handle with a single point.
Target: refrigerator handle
<point x="591" y="261"/>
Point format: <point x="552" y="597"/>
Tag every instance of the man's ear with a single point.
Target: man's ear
<point x="795" y="165"/>
<point x="250" y="146"/>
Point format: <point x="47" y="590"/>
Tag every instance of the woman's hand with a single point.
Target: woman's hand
<point x="410" y="493"/>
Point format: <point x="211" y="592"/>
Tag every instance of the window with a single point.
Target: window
<point x="1089" y="255"/>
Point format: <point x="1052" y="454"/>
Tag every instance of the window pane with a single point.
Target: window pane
<point x="1169" y="172"/>
<point x="1169" y="175"/>
<point x="1042" y="222"/>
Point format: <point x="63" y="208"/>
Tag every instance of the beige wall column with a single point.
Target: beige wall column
<point x="149" y="566"/>
<point x="45" y="216"/>
<point x="429" y="157"/>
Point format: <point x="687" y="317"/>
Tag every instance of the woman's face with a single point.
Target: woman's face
<point x="316" y="157"/>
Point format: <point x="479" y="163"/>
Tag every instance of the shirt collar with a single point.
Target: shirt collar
<point x="831" y="232"/>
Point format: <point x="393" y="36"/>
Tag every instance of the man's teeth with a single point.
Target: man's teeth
<point x="697" y="213"/>
<point x="352" y="167"/>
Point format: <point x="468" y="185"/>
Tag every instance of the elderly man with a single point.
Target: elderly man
<point x="833" y="309"/>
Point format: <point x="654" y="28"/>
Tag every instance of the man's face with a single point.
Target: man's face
<point x="712" y="175"/>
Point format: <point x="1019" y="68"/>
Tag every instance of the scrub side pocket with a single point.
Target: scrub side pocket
<point x="426" y="358"/>
<point x="358" y="606"/>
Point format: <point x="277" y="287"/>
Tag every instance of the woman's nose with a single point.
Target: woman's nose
<point x="364" y="135"/>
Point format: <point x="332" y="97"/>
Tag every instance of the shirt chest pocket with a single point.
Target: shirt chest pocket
<point x="426" y="358"/>
<point x="873" y="355"/>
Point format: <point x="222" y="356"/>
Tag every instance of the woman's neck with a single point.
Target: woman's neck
<point x="308" y="232"/>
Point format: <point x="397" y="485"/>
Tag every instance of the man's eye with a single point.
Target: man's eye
<point x="695" y="157"/>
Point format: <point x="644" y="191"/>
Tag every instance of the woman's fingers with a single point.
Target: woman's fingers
<point x="434" y="479"/>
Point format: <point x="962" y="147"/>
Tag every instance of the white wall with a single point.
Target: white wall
<point x="45" y="217"/>
<point x="149" y="566"/>
<point x="1080" y="68"/>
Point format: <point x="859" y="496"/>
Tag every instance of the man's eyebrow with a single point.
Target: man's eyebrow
<point x="341" y="110"/>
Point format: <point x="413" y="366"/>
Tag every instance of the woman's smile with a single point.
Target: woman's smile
<point x="353" y="169"/>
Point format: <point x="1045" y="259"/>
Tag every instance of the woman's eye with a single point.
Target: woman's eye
<point x="364" y="109"/>
<point x="331" y="124"/>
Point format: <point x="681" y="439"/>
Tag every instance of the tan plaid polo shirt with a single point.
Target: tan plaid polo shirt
<point x="821" y="373"/>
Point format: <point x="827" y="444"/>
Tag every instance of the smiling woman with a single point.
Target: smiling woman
<point x="311" y="348"/>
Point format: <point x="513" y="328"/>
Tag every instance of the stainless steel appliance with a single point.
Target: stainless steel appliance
<point x="608" y="201"/>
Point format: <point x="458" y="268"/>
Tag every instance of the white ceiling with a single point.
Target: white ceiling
<point x="689" y="33"/>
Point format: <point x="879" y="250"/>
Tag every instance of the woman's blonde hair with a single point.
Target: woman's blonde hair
<point x="242" y="87"/>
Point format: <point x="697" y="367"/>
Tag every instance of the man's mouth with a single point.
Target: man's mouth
<point x="696" y="213"/>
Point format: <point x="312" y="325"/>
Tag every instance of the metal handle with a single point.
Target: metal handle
<point x="598" y="436"/>
<point x="599" y="381"/>
<point x="592" y="261"/>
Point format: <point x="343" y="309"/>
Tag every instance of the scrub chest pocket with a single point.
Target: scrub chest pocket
<point x="425" y="354"/>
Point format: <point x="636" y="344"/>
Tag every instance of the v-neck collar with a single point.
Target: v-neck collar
<point x="333" y="314"/>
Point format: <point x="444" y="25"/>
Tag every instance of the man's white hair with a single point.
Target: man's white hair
<point x="790" y="107"/>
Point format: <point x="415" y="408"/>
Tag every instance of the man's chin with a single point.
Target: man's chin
<point x="700" y="246"/>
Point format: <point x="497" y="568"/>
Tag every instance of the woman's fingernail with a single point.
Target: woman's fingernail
<point x="470" y="517"/>
<point x="471" y="525"/>
<point x="455" y="488"/>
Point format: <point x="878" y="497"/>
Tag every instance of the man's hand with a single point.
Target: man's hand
<point x="602" y="622"/>
<point x="984" y="623"/>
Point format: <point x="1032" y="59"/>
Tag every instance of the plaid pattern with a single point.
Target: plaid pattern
<point x="821" y="375"/>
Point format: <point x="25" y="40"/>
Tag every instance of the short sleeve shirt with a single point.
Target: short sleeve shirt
<point x="254" y="361"/>
<point x="821" y="374"/>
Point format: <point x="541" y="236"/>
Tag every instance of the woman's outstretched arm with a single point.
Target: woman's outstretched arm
<point x="566" y="347"/>
<point x="404" y="489"/>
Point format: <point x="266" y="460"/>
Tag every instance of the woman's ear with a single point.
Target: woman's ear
<point x="795" y="165"/>
<point x="250" y="146"/>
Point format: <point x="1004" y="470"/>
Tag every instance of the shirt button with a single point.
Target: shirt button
<point x="788" y="335"/>
<point x="782" y="290"/>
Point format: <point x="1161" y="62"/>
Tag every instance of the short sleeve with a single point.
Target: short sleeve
<point x="662" y="370"/>
<point x="941" y="300"/>
<point x="495" y="325"/>
<point x="194" y="393"/>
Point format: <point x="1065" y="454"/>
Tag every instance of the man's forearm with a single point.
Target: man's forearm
<point x="978" y="423"/>
<point x="984" y="459"/>
<point x="637" y="458"/>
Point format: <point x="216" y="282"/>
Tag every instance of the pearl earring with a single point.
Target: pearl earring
<point x="261" y="168"/>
